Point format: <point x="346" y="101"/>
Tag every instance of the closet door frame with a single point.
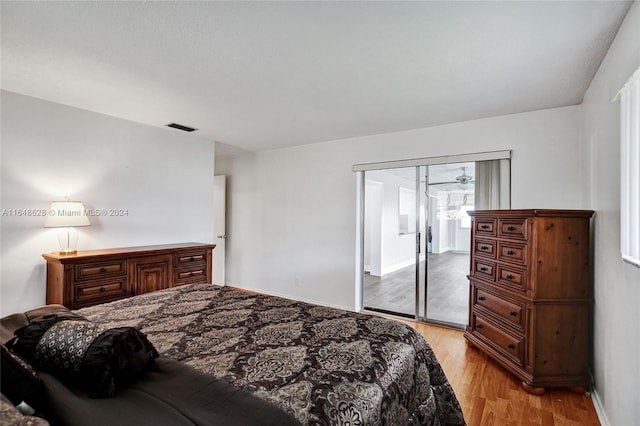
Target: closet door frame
<point x="360" y="170"/>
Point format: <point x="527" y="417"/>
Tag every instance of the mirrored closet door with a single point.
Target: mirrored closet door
<point x="416" y="236"/>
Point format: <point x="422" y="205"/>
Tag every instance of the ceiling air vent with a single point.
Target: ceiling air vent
<point x="181" y="127"/>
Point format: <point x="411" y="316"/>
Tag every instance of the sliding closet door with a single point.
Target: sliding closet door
<point x="416" y="233"/>
<point x="450" y="193"/>
<point x="391" y="229"/>
<point x="453" y="190"/>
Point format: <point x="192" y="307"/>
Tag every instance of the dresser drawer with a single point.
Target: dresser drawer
<point x="191" y="276"/>
<point x="511" y="312"/>
<point x="512" y="252"/>
<point x="512" y="228"/>
<point x="188" y="259"/>
<point x="512" y="277"/>
<point x="191" y="268"/>
<point x="509" y="345"/>
<point x="485" y="227"/>
<point x="484" y="269"/>
<point x="92" y="271"/>
<point x="485" y="248"/>
<point x="105" y="290"/>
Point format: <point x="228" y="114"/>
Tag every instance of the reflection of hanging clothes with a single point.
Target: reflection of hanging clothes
<point x="429" y="236"/>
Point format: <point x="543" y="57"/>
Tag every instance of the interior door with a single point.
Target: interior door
<point x="219" y="228"/>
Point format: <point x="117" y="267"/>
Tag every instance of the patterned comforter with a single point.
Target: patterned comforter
<point x="323" y="365"/>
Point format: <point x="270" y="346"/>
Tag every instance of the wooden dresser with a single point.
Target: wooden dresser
<point x="530" y="294"/>
<point x="98" y="276"/>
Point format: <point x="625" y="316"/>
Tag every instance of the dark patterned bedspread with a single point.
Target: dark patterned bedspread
<point x="323" y="365"/>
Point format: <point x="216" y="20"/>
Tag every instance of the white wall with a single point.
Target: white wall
<point x="617" y="284"/>
<point x="164" y="178"/>
<point x="293" y="211"/>
<point x="463" y="237"/>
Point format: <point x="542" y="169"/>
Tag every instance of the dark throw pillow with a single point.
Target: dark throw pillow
<point x="116" y="357"/>
<point x="92" y="356"/>
<point x="19" y="380"/>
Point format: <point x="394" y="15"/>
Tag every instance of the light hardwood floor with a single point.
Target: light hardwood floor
<point x="489" y="395"/>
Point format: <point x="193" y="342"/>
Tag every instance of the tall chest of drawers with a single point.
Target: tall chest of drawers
<point x="99" y="276"/>
<point x="530" y="294"/>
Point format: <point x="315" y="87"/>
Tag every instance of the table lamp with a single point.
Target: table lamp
<point x="66" y="215"/>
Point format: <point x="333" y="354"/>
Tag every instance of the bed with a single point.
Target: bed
<point x="319" y="365"/>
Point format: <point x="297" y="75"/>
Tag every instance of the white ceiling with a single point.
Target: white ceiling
<point x="263" y="75"/>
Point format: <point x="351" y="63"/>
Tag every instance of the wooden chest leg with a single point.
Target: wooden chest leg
<point x="532" y="390"/>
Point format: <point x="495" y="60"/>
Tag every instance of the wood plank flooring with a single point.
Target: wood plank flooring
<point x="489" y="395"/>
<point x="448" y="289"/>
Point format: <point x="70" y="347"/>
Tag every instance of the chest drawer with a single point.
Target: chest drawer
<point x="512" y="228"/>
<point x="484" y="269"/>
<point x="512" y="277"/>
<point x="512" y="252"/>
<point x="485" y="248"/>
<point x="509" y="345"/>
<point x="485" y="227"/>
<point x="510" y="312"/>
<point x="106" y="290"/>
<point x="92" y="271"/>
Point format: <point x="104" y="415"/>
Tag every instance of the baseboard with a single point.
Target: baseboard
<point x="397" y="266"/>
<point x="597" y="403"/>
<point x="401" y="265"/>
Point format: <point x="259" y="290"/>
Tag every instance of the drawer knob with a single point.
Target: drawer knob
<point x="513" y="313"/>
<point x="511" y="228"/>
<point x="480" y="297"/>
<point x="510" y="252"/>
<point x="103" y="270"/>
<point x="191" y="258"/>
<point x="484" y="248"/>
<point x="484" y="226"/>
<point x="509" y="277"/>
<point x="102" y="289"/>
<point x="511" y="346"/>
<point x="479" y="326"/>
<point x="483" y="268"/>
<point x="191" y="273"/>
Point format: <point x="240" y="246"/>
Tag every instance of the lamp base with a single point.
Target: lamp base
<point x="68" y="239"/>
<point x="67" y="252"/>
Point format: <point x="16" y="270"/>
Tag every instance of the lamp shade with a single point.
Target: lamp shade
<point x="66" y="214"/>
